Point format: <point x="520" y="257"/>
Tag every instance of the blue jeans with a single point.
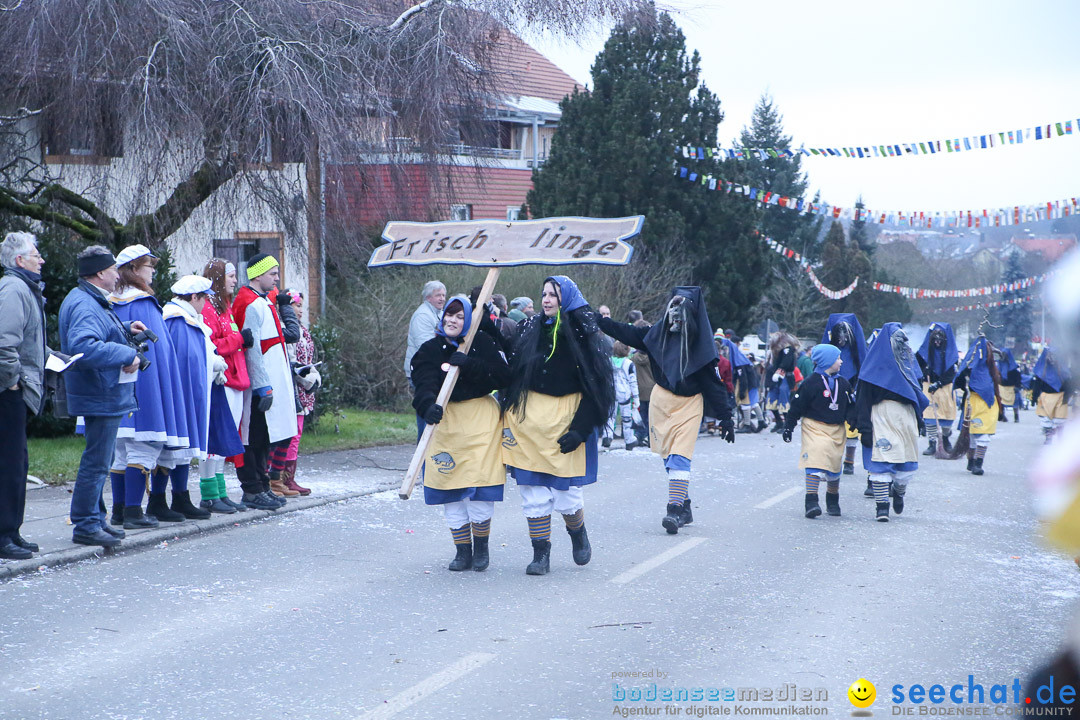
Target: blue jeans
<point x="87" y="505"/>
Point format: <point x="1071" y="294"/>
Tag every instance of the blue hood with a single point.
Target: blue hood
<point x="980" y="380"/>
<point x="896" y="372"/>
<point x="1048" y="370"/>
<point x="852" y="353"/>
<point x="736" y="355"/>
<point x="464" y="328"/>
<point x="570" y="297"/>
<point x="941" y="361"/>
<point x="1006" y="364"/>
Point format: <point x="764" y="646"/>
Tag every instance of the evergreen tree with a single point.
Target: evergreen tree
<point x="1016" y="319"/>
<point x="613" y="157"/>
<point x="860" y="237"/>
<point x="842" y="262"/>
<point x="886" y="306"/>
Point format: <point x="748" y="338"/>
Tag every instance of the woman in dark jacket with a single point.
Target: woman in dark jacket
<point x="464" y="469"/>
<point x="561" y="392"/>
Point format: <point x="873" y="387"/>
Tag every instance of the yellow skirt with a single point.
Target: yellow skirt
<point x="983" y="417"/>
<point x="1052" y="405"/>
<point x="531" y="443"/>
<point x="1008" y="395"/>
<point x="942" y="403"/>
<point x="896" y="432"/>
<point x="822" y="446"/>
<point x="674" y="421"/>
<point x="464" y="450"/>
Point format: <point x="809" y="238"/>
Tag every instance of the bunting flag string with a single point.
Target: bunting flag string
<point x="986" y="217"/>
<point x="924" y="293"/>
<point x="805" y="265"/>
<point x="981" y="306"/>
<point x="930" y="147"/>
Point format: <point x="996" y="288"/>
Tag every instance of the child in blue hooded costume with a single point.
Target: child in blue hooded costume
<point x="148" y="441"/>
<point x="979" y="372"/>
<point x="888" y="416"/>
<point x="1050" y="389"/>
<point x="938" y="358"/>
<point x="844" y="332"/>
<point x="560" y="395"/>
<point x="1010" y="385"/>
<point x="688" y="385"/>
<point x="823" y="401"/>
<point x="463" y="470"/>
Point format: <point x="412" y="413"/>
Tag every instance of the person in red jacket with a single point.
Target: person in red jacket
<point x="230" y="342"/>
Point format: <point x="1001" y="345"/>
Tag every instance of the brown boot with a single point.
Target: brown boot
<point x="278" y="487"/>
<point x="288" y="476"/>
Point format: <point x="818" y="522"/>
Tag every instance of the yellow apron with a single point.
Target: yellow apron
<point x="822" y="446"/>
<point x="896" y="432"/>
<point x="531" y="443"/>
<point x="674" y="421"/>
<point x="464" y="450"/>
<point x="983" y="418"/>
<point x="1052" y="405"/>
<point x="942" y="403"/>
<point x="1008" y="395"/>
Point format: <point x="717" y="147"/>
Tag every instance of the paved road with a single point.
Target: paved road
<point x="347" y="611"/>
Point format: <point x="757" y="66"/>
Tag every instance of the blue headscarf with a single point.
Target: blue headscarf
<point x="824" y="355"/>
<point x="467" y="306"/>
<point x="1006" y="364"/>
<point x="570" y="297"/>
<point x="939" y="362"/>
<point x="980" y="380"/>
<point x="735" y="355"/>
<point x="1048" y="370"/>
<point x="891" y="365"/>
<point x="854" y="352"/>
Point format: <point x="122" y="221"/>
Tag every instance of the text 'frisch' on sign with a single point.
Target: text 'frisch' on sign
<point x="494" y="243"/>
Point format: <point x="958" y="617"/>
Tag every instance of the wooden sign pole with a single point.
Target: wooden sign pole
<point x="417" y="462"/>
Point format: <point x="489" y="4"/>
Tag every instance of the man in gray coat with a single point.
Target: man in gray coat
<point x="22" y="375"/>
<point x="424" y="321"/>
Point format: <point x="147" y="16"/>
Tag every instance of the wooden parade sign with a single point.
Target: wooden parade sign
<point x="494" y="244"/>
<point x="497" y="243"/>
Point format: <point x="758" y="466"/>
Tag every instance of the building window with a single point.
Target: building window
<point x="513" y="213"/>
<point x="92" y="139"/>
<point x="460" y="213"/>
<point x="244" y="246"/>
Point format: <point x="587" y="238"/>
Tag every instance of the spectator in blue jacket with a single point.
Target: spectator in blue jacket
<point x="99" y="386"/>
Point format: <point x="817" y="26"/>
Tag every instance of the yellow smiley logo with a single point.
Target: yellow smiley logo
<point x="862" y="693"/>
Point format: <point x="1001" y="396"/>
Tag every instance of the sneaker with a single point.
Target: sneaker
<point x="259" y="501"/>
<point x="270" y="496"/>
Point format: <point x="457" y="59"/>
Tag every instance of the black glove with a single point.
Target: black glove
<point x="283" y="298"/>
<point x="569" y="442"/>
<point x="787" y="434"/>
<point x="727" y="429"/>
<point x="249" y="337"/>
<point x="433" y="414"/>
<point x="459" y="359"/>
<point x="866" y="439"/>
<point x="922" y="430"/>
<point x="264" y="399"/>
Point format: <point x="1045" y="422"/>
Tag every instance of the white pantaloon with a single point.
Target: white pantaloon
<point x="540" y="500"/>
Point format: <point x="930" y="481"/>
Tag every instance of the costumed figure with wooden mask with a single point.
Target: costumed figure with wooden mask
<point x="938" y="358"/>
<point x="979" y="373"/>
<point x="463" y="468"/>
<point x="1050" y="390"/>
<point x="844" y="332"/>
<point x="560" y="395"/>
<point x="888" y="416"/>
<point x="780" y="376"/>
<point x="1010" y="388"/>
<point x="684" y="364"/>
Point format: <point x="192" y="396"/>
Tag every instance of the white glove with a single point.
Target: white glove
<point x="312" y="381"/>
<point x="219" y="368"/>
<point x="777" y="375"/>
<point x="219" y="378"/>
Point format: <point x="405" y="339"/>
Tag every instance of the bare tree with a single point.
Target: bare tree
<point x="206" y="95"/>
<point x="794" y="303"/>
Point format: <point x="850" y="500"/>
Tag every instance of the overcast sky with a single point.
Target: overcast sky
<point x="857" y="73"/>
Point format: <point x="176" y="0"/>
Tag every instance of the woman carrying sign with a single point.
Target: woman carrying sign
<point x="464" y="469"/>
<point x="560" y="394"/>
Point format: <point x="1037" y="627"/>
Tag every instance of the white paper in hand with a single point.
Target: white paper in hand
<point x="128" y="377"/>
<point x="55" y="364"/>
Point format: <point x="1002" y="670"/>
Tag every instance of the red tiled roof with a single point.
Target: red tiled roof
<point x="1051" y="248"/>
<point x="524" y="71"/>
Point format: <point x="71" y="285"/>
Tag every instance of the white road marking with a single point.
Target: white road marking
<point x="657" y="561"/>
<point x="777" y="498"/>
<point x="429" y="686"/>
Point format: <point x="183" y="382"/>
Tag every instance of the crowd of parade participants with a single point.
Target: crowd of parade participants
<point x="543" y="392"/>
<point x="218" y="373"/>
<point x="162" y="386"/>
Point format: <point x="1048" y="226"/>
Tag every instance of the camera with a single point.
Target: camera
<point x="140" y="341"/>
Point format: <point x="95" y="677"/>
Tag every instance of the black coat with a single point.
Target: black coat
<point x="944" y="379"/>
<point x="810" y="401"/>
<point x="485" y="371"/>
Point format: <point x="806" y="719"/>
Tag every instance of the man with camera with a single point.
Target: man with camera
<point x="89" y="326"/>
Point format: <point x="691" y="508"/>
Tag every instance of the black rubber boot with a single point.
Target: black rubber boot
<point x="673" y="520"/>
<point x="931" y="449"/>
<point x="480" y="558"/>
<point x="897" y="500"/>
<point x="883" y="512"/>
<point x="971" y="462"/>
<point x="135" y="520"/>
<point x="687" y="513"/>
<point x="869" y="491"/>
<point x="1016" y="414"/>
<point x="463" y="559"/>
<point x="582" y="549"/>
<point x="849" y="468"/>
<point x="978" y="468"/>
<point x="832" y="504"/>
<point x="158" y="508"/>
<point x="812" y="507"/>
<point x="541" y="558"/>
<point x="181" y="503"/>
<point x="945" y="444"/>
